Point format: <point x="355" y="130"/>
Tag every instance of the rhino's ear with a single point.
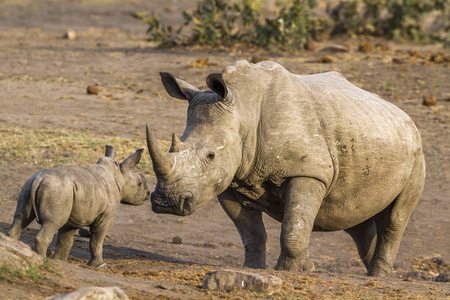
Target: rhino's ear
<point x="217" y="85"/>
<point x="110" y="152"/>
<point x="178" y="88"/>
<point x="132" y="160"/>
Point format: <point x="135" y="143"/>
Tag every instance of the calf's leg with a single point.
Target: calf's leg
<point x="45" y="237"/>
<point x="98" y="234"/>
<point x="23" y="216"/>
<point x="64" y="242"/>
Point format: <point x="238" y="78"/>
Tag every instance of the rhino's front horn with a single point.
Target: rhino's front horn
<point x="177" y="145"/>
<point x="162" y="161"/>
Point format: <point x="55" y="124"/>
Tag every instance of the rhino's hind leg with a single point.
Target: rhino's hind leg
<point x="64" y="243"/>
<point x="365" y="236"/>
<point x="19" y="224"/>
<point x="250" y="226"/>
<point x="22" y="218"/>
<point x="45" y="237"/>
<point x="392" y="221"/>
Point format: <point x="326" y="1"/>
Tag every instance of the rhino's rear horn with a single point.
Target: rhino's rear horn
<point x="177" y="145"/>
<point x="162" y="161"/>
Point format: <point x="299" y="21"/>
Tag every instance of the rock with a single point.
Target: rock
<point x="177" y="240"/>
<point x="398" y="61"/>
<point x="365" y="47"/>
<point x="16" y="255"/>
<point x="93" y="293"/>
<point x="382" y="47"/>
<point x="92" y="90"/>
<point x="416" y="275"/>
<point x="257" y="58"/>
<point x="429" y="100"/>
<point x="229" y="279"/>
<point x="442" y="277"/>
<point x="201" y="63"/>
<point x="70" y="35"/>
<point x="337" y="48"/>
<point x="326" y="59"/>
<point x="310" y="45"/>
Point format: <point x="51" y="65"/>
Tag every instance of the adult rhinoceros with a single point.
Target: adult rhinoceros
<point x="312" y="151"/>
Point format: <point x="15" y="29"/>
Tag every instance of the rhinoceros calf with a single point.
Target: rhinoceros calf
<point x="66" y="198"/>
<point x="312" y="151"/>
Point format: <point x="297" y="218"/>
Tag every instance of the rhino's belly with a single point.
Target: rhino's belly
<point x="348" y="206"/>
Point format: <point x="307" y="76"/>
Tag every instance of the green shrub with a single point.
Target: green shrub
<point x="216" y="22"/>
<point x="394" y="19"/>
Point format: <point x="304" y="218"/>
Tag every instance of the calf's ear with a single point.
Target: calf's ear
<point x="217" y="85"/>
<point x="132" y="160"/>
<point x="178" y="88"/>
<point x="110" y="152"/>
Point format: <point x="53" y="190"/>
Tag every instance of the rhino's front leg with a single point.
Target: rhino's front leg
<point x="302" y="202"/>
<point x="98" y="234"/>
<point x="250" y="226"/>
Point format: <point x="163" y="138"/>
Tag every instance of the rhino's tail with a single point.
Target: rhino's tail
<point x="34" y="187"/>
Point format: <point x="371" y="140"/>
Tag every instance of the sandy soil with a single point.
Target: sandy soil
<point x="43" y="80"/>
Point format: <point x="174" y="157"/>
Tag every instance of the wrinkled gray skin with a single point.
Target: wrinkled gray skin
<point x="312" y="151"/>
<point x="66" y="198"/>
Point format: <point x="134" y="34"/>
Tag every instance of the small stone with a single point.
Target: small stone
<point x="258" y="58"/>
<point x="93" y="292"/>
<point x="177" y="240"/>
<point x="337" y="48"/>
<point x="326" y="59"/>
<point x="382" y="47"/>
<point x="365" y="47"/>
<point x="442" y="277"/>
<point x="228" y="280"/>
<point x="310" y="45"/>
<point x="92" y="90"/>
<point x="429" y="100"/>
<point x="70" y="35"/>
<point x="398" y="61"/>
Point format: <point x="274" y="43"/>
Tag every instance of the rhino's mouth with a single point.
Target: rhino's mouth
<point x="183" y="206"/>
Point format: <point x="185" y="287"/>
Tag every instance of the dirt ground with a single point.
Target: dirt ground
<point x="43" y="80"/>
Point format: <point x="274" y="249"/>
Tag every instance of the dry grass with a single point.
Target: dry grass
<point x="46" y="147"/>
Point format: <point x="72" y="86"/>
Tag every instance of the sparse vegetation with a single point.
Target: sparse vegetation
<point x="51" y="147"/>
<point x="33" y="272"/>
<point x="217" y="22"/>
<point x="399" y="19"/>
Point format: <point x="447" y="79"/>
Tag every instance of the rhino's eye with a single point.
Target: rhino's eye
<point x="211" y="155"/>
